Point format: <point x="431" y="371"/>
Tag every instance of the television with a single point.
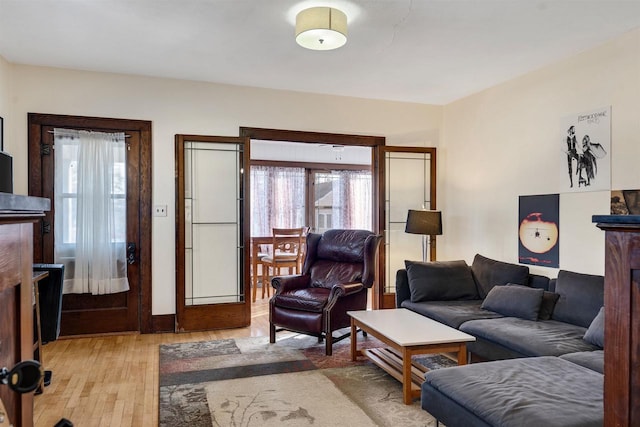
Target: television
<point x="6" y="173"/>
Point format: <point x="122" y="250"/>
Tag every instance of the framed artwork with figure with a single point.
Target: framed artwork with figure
<point x="538" y="232"/>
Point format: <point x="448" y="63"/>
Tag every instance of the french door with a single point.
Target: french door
<point x="408" y="181"/>
<point x="84" y="313"/>
<point x="212" y="233"/>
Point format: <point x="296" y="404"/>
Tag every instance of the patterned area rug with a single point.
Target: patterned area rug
<point x="249" y="382"/>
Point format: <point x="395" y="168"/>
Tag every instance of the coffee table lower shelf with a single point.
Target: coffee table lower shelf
<point x="391" y="362"/>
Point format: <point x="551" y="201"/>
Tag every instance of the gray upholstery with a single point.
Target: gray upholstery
<point x="440" y="281"/>
<point x="549" y="300"/>
<point x="593" y="360"/>
<point x="517" y="301"/>
<point x="489" y="273"/>
<point x="595" y="333"/>
<point x="540" y="391"/>
<point x="581" y="296"/>
<point x="528" y="338"/>
<point x="451" y="313"/>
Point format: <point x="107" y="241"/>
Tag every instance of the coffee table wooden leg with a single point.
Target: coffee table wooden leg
<point x="354" y="341"/>
<point x="462" y="354"/>
<point x="406" y="376"/>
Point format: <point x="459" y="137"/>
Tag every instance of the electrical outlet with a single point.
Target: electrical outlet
<point x="160" y="210"/>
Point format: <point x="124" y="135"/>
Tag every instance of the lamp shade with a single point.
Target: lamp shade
<point x="424" y="222"/>
<point x="321" y="28"/>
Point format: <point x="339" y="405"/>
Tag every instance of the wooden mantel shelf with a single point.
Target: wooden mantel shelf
<point x="18" y="206"/>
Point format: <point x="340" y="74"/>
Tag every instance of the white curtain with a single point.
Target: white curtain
<point x="90" y="206"/>
<point x="352" y="203"/>
<point x="277" y="199"/>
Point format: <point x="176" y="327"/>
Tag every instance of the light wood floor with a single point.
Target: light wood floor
<point x="113" y="380"/>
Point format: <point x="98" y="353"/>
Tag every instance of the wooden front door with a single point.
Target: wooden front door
<point x="118" y="312"/>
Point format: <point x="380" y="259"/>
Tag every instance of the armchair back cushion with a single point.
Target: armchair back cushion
<point x="489" y="273"/>
<point x="338" y="256"/>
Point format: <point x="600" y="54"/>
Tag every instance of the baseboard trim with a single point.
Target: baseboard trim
<point x="163" y="323"/>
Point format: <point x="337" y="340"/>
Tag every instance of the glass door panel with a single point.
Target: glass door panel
<point x="409" y="183"/>
<point x="211" y="282"/>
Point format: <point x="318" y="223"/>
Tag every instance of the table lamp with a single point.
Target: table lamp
<point x="427" y="223"/>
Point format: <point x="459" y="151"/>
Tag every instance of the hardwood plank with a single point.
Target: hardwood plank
<point x="112" y="380"/>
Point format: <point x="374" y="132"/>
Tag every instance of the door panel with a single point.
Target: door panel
<point x="409" y="183"/>
<point x="84" y="313"/>
<point x="212" y="223"/>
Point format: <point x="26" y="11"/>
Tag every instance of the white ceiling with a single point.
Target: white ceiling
<point x="426" y="51"/>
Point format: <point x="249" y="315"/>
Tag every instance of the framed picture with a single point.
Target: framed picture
<point x="538" y="233"/>
<point x="1" y="134"/>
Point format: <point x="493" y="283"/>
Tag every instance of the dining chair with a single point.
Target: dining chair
<point x="287" y="251"/>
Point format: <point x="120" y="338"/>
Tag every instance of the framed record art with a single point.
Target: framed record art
<point x="539" y="230"/>
<point x="585" y="158"/>
<point x="625" y="202"/>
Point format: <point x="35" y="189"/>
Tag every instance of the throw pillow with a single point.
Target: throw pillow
<point x="549" y="300"/>
<point x="595" y="333"/>
<point x="488" y="273"/>
<point x="514" y="301"/>
<point x="440" y="281"/>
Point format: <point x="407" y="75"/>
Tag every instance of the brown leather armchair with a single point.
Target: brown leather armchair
<point x="339" y="268"/>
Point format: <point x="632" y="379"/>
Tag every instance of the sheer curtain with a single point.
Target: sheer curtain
<point x="90" y="206"/>
<point x="352" y="203"/>
<point x="277" y="198"/>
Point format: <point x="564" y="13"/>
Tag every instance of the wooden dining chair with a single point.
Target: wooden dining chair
<point x="287" y="251"/>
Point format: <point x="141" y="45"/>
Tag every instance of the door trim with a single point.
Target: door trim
<point x="35" y="123"/>
<point x="376" y="143"/>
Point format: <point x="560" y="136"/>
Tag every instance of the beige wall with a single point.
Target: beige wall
<point x="493" y="146"/>
<point x="504" y="142"/>
<point x="5" y="98"/>
<point x="176" y="106"/>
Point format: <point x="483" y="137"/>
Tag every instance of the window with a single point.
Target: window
<point x="277" y="198"/>
<point x="338" y="199"/>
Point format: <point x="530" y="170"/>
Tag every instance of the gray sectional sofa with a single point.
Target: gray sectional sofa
<point x="542" y="339"/>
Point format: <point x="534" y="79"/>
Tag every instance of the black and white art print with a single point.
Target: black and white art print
<point x="585" y="158"/>
<point x="539" y="230"/>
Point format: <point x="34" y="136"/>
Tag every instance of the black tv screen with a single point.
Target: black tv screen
<point x="6" y="173"/>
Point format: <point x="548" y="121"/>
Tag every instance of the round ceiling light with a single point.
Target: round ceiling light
<point x="321" y="28"/>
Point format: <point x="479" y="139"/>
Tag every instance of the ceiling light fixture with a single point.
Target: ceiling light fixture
<point x="321" y="28"/>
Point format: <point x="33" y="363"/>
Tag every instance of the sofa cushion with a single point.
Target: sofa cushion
<point x="529" y="337"/>
<point x="595" y="333"/>
<point x="451" y="313"/>
<point x="549" y="300"/>
<point x="593" y="360"/>
<point x="581" y="296"/>
<point x="517" y="301"/>
<point x="489" y="273"/>
<point x="307" y="299"/>
<point x="440" y="281"/>
<point x="540" y="391"/>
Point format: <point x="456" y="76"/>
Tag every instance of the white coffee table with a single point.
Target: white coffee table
<point x="406" y="333"/>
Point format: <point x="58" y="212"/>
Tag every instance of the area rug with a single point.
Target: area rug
<point x="248" y="382"/>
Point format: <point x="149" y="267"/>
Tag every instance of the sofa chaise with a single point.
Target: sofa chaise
<point x="528" y="327"/>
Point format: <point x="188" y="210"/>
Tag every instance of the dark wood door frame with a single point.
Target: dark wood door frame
<point x="377" y="159"/>
<point x="36" y="123"/>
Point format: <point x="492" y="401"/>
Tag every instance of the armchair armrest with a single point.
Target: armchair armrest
<point x="345" y="289"/>
<point x="290" y="283"/>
